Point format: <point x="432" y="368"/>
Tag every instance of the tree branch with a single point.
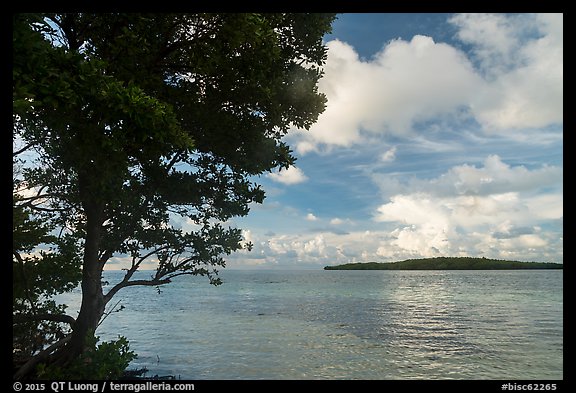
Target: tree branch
<point x="20" y="318"/>
<point x="42" y="355"/>
<point x="125" y="284"/>
<point x="15" y="153"/>
<point x="27" y="290"/>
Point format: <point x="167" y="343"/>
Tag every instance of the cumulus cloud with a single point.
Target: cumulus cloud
<point x="389" y="155"/>
<point x="522" y="58"/>
<point x="337" y="221"/>
<point x="289" y="176"/>
<point x="507" y="231"/>
<point x="494" y="38"/>
<point x="491" y="209"/>
<point x="494" y="177"/>
<point x="502" y="81"/>
<point x="511" y="79"/>
<point x="311" y="217"/>
<point x="505" y="240"/>
<point x="505" y="203"/>
<point x="317" y="249"/>
<point x="406" y="82"/>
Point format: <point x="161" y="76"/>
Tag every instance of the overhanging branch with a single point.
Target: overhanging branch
<point x="21" y="318"/>
<point x="125" y="284"/>
<point x="34" y="360"/>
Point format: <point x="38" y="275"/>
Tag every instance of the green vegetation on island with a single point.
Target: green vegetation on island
<point x="447" y="263"/>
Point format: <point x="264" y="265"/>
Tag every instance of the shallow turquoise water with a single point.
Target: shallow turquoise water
<point x="347" y="325"/>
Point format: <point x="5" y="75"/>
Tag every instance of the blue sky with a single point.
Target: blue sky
<point x="442" y="136"/>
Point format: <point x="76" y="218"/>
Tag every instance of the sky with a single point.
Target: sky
<point x="442" y="136"/>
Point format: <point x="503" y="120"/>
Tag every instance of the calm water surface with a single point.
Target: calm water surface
<point x="347" y="325"/>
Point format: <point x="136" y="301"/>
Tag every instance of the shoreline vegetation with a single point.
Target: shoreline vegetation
<point x="447" y="263"/>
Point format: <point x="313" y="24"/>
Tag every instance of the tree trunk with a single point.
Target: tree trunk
<point x="93" y="305"/>
<point x="93" y="302"/>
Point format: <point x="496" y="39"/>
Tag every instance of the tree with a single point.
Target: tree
<point x="140" y="121"/>
<point x="37" y="277"/>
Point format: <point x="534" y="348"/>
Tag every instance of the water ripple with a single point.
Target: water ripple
<point x="349" y="325"/>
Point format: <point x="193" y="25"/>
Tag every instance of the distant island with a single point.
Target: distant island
<point x="447" y="263"/>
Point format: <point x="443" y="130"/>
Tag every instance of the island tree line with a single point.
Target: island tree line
<point x="447" y="263"/>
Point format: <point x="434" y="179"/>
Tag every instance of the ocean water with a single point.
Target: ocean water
<point x="315" y="324"/>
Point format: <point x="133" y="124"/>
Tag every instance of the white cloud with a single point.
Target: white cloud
<point x="289" y="176"/>
<point x="311" y="217"/>
<point x="494" y="177"/>
<point x="546" y="206"/>
<point x="399" y="242"/>
<point x="406" y="82"/>
<point x="389" y="155"/>
<point x="494" y="38"/>
<point x="510" y="83"/>
<point x="522" y="58"/>
<point x="346" y="222"/>
<point x="493" y="209"/>
<point x="505" y="203"/>
<point x="311" y="249"/>
<point x="511" y="79"/>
